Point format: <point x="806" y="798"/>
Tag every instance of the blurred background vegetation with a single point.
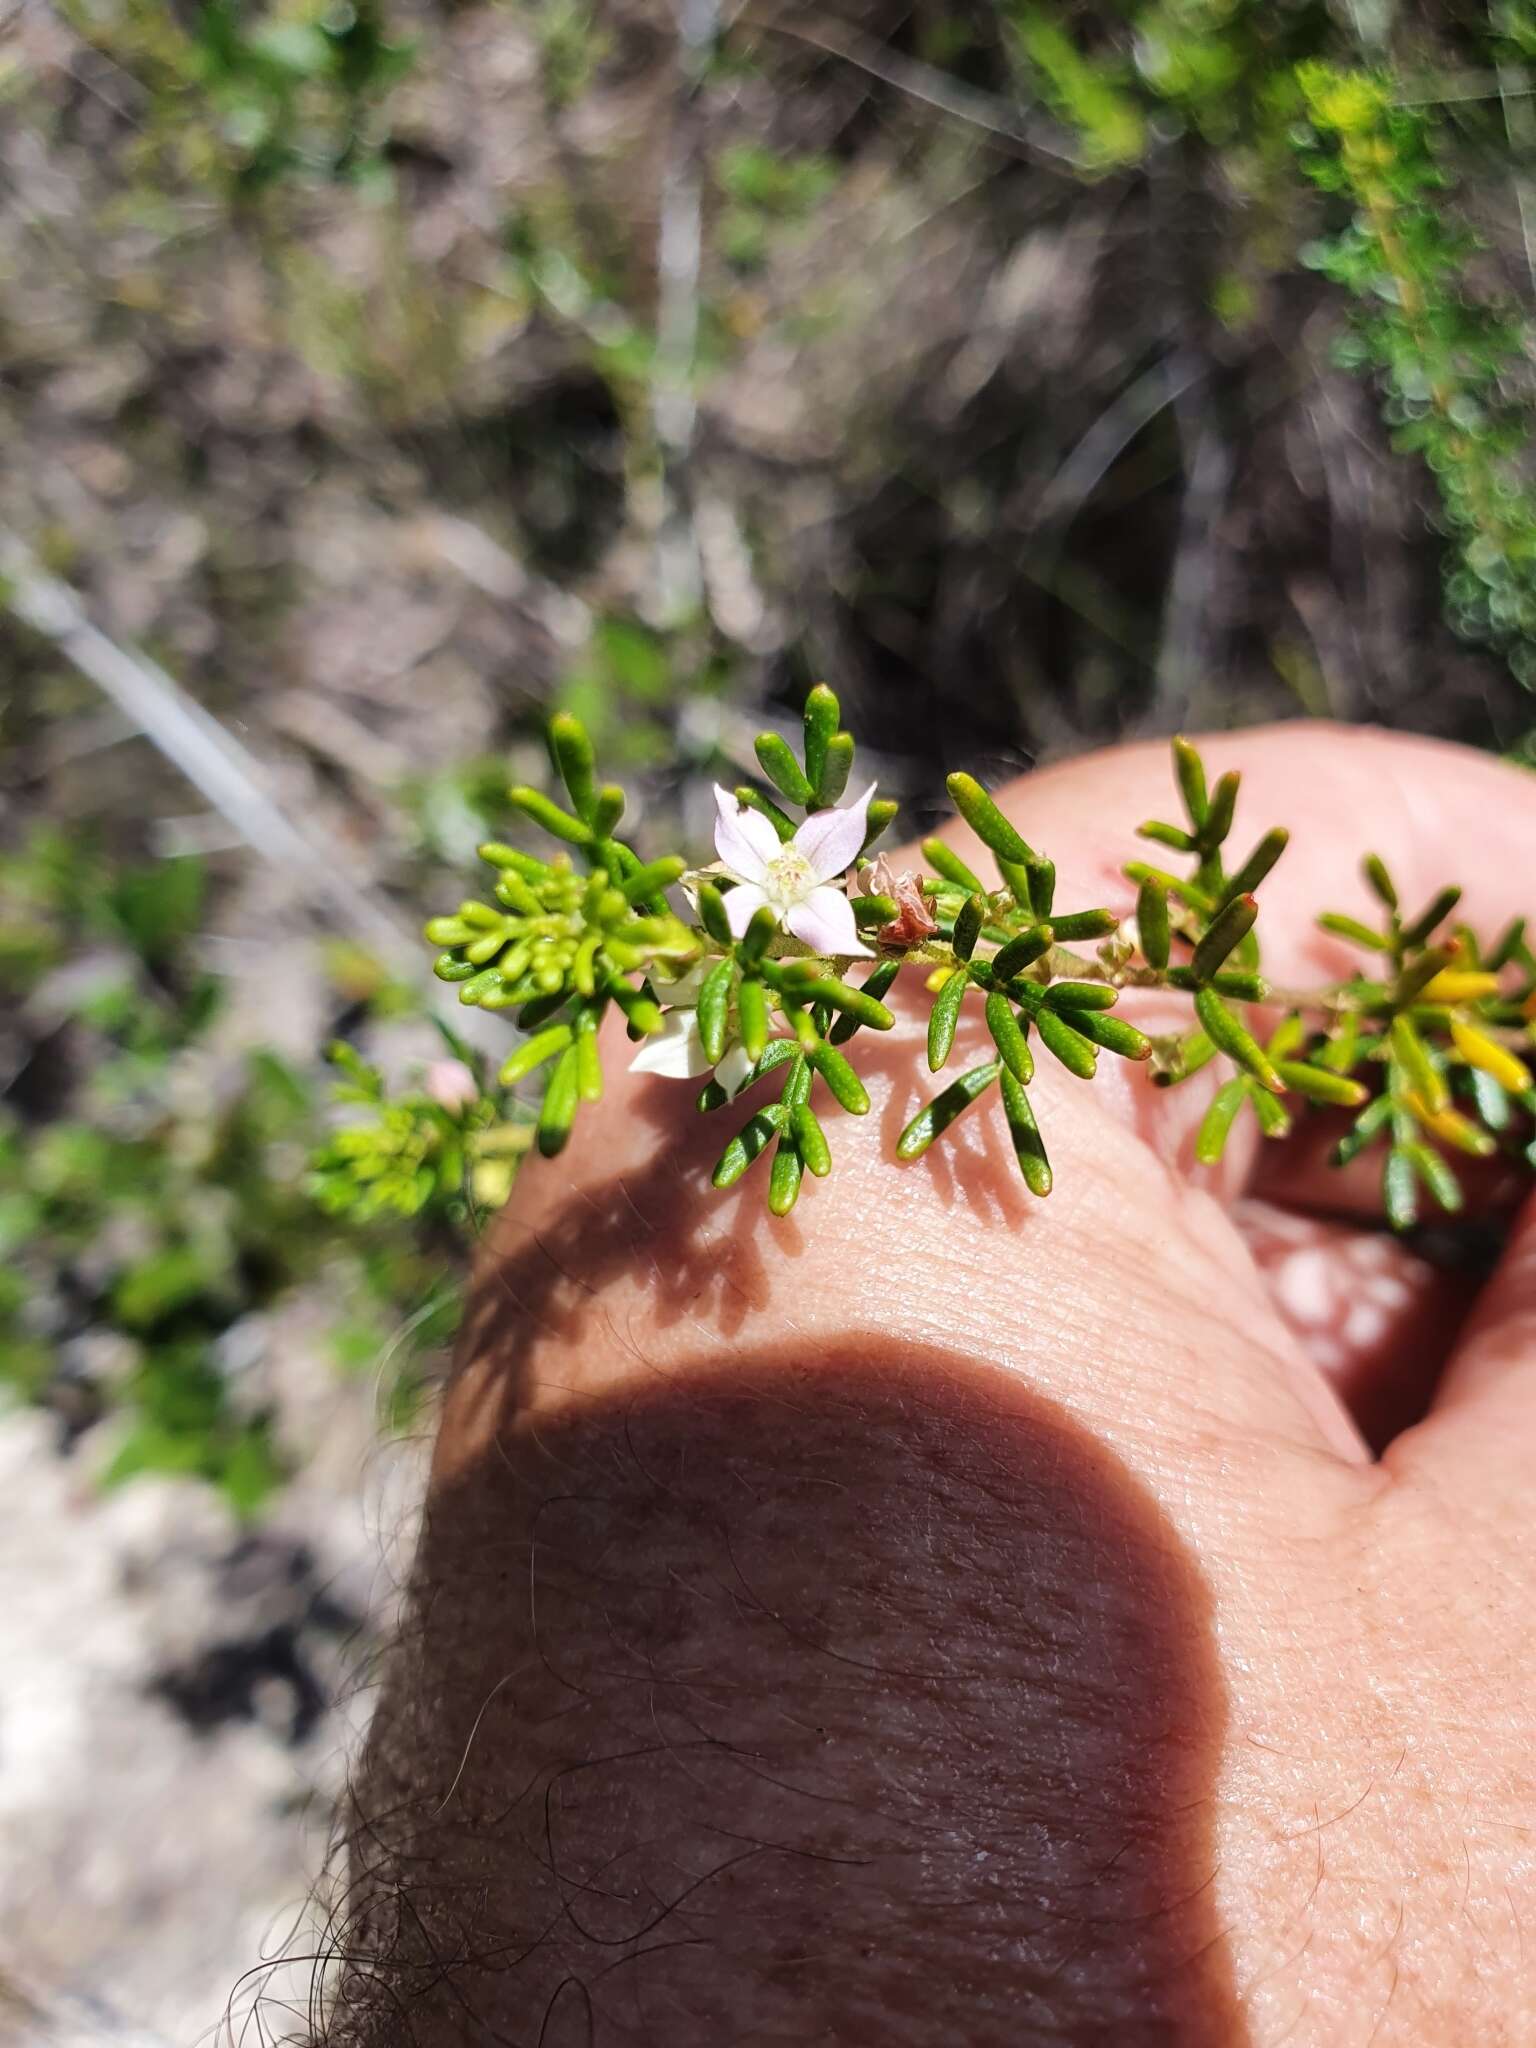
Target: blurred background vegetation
<point x="378" y="375"/>
<point x="387" y="374"/>
<point x="384" y="375"/>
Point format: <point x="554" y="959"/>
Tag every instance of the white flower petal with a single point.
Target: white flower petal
<point x="685" y="990"/>
<point x="831" y="840"/>
<point x="690" y="882"/>
<point x="744" y="839"/>
<point x="676" y="1051"/>
<point x="733" y="1069"/>
<point x="825" y="922"/>
<point x="742" y="905"/>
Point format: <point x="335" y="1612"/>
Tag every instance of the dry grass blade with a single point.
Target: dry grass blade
<point x="227" y="774"/>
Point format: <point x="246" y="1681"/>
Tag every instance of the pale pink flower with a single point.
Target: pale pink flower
<point x="451" y="1084"/>
<point x="914" y="917"/>
<point x="794" y="878"/>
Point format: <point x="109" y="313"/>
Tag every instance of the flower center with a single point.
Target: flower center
<point x="789" y="879"/>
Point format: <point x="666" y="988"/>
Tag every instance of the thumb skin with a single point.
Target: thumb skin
<point x="627" y="1261"/>
<point x="623" y="1260"/>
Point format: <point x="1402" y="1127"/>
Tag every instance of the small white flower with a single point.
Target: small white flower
<point x="794" y="878"/>
<point x="677" y="1053"/>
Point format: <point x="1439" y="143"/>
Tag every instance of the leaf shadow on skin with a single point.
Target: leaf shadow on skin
<point x="702" y="1254"/>
<point x="643" y="1224"/>
<point x="972" y="1162"/>
<point x="844" y="1697"/>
